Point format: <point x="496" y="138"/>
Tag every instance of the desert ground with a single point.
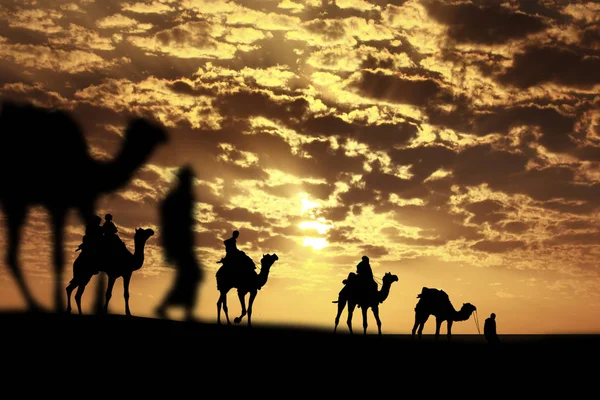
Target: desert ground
<point x="48" y="342"/>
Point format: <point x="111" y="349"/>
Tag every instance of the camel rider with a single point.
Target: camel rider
<point x="93" y="233"/>
<point x="365" y="275"/>
<point x="110" y="231"/>
<point x="231" y="250"/>
<point x="234" y="256"/>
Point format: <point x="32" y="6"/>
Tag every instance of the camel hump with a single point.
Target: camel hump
<point x="432" y="293"/>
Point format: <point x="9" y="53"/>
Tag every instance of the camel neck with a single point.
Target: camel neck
<point x="263" y="275"/>
<point x="384" y="291"/>
<point x="138" y="254"/>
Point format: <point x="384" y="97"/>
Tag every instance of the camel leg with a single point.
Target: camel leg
<point x="341" y="306"/>
<point x="364" y="310"/>
<point x="350" y="312"/>
<point x="420" y="324"/>
<point x="219" y="302"/>
<point x="420" y="331"/>
<point x="15" y="216"/>
<point x="222" y="302"/>
<point x="415" y="326"/>
<point x="250" y="303"/>
<point x="449" y="322"/>
<point x="376" y="315"/>
<point x="100" y="292"/>
<point x="241" y="296"/>
<point x="126" y="280"/>
<point x="58" y="224"/>
<point x="438" y="325"/>
<point x="109" y="288"/>
<point x="78" y="295"/>
<point x="69" y="291"/>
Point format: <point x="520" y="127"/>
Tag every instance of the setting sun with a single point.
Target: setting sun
<point x="315" y="243"/>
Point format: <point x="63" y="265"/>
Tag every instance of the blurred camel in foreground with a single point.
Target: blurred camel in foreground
<point x="46" y="161"/>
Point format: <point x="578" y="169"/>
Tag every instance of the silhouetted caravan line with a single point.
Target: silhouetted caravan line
<point x="238" y="272"/>
<point x="437" y="303"/>
<point x="45" y="161"/>
<point x="115" y="260"/>
<point x="177" y="239"/>
<point x="354" y="294"/>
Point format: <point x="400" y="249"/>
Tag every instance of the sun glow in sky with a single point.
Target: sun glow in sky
<point x="456" y="144"/>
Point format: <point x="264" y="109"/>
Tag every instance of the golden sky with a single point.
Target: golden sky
<point x="455" y="143"/>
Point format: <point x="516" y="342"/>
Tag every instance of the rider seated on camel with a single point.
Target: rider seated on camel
<point x="91" y="241"/>
<point x="109" y="229"/>
<point x="93" y="233"/>
<point x="364" y="276"/>
<point x="232" y="254"/>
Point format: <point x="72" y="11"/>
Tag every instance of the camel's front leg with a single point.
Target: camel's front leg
<point x="415" y="326"/>
<point x="15" y="216"/>
<point x="438" y="325"/>
<point x="222" y="302"/>
<point x="364" y="310"/>
<point x="69" y="290"/>
<point x="109" y="288"/>
<point x="350" y="312"/>
<point x="376" y="315"/>
<point x="340" y="309"/>
<point x="250" y="303"/>
<point x="420" y="321"/>
<point x="449" y="328"/>
<point x="126" y="280"/>
<point x="241" y="296"/>
<point x="78" y="295"/>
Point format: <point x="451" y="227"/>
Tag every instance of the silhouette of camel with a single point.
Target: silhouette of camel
<point x="177" y="238"/>
<point x="246" y="282"/>
<point x="117" y="263"/>
<point x="45" y="161"/>
<point x="437" y="303"/>
<point x="350" y="294"/>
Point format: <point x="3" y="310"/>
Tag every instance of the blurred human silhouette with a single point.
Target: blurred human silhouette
<point x="489" y="329"/>
<point x="50" y="165"/>
<point x="437" y="303"/>
<point x="115" y="264"/>
<point x="177" y="236"/>
<point x="229" y="278"/>
<point x="354" y="295"/>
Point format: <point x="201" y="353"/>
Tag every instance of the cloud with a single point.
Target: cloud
<point x="466" y="131"/>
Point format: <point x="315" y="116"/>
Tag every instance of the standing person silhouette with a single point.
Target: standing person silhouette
<point x="489" y="330"/>
<point x="177" y="239"/>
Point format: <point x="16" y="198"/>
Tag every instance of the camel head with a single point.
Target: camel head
<point x="142" y="234"/>
<point x="389" y="278"/>
<point x="144" y="134"/>
<point x="141" y="139"/>
<point x="468" y="308"/>
<point x="268" y="259"/>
